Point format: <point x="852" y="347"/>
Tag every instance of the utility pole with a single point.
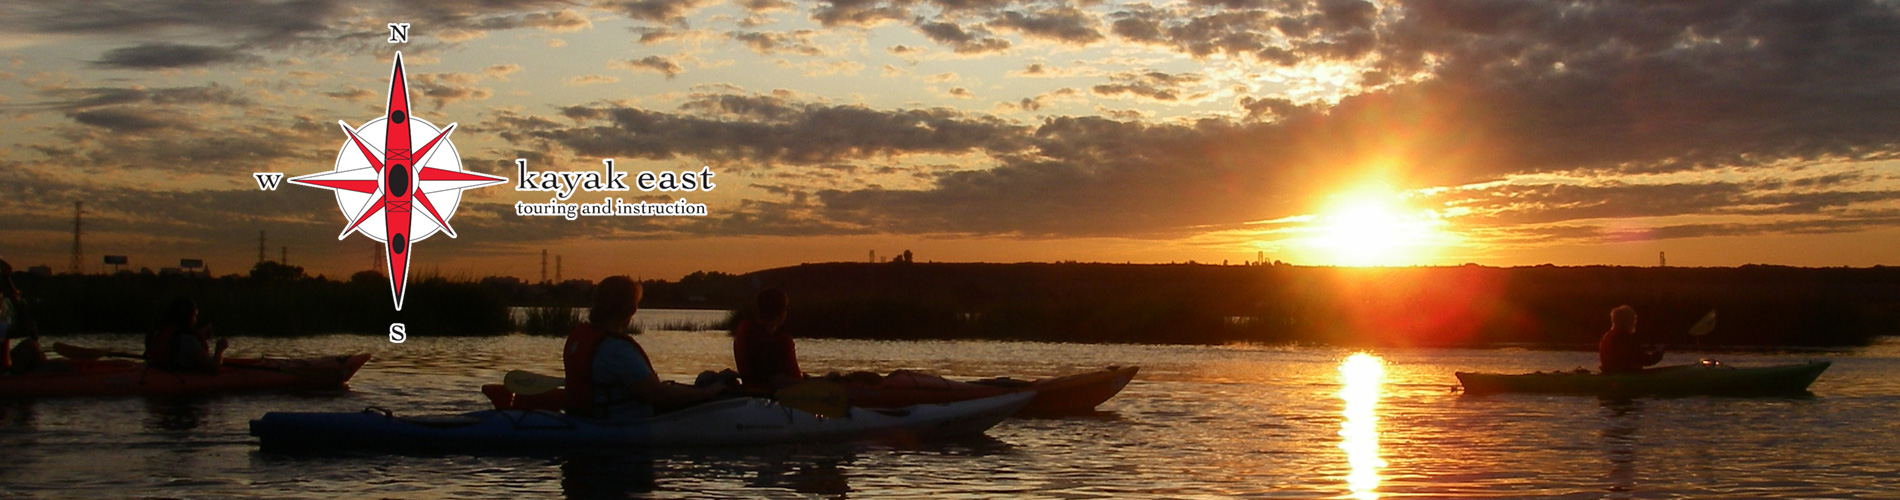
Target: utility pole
<point x="557" y="269"/>
<point x="1662" y="259"/>
<point x="79" y="255"/>
<point x="544" y="265"/>
<point x="283" y="255"/>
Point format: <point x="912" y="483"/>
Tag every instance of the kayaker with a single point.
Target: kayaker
<point x="1621" y="351"/>
<point x="27" y="356"/>
<point x="178" y="345"/>
<point x="766" y="357"/>
<point x="608" y="374"/>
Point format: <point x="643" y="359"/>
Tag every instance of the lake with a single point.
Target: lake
<point x="1199" y="422"/>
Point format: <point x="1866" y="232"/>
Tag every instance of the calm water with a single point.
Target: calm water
<point x="1200" y="422"/>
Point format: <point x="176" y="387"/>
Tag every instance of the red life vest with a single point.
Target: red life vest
<point x="762" y="356"/>
<point x="161" y="348"/>
<point x="583" y="343"/>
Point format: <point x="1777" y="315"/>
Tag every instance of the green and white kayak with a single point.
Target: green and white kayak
<point x="1693" y="379"/>
<point x="729" y="422"/>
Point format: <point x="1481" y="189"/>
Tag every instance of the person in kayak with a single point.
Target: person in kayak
<point x="27" y="356"/>
<point x="1621" y="351"/>
<point x="609" y="375"/>
<point x="766" y="356"/>
<point x="179" y="346"/>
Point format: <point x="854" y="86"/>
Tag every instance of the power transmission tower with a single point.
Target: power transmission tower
<point x="79" y="255"/>
<point x="544" y="265"/>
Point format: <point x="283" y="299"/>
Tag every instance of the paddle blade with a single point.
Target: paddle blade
<point x="817" y="397"/>
<point x="526" y="382"/>
<point x="1703" y="327"/>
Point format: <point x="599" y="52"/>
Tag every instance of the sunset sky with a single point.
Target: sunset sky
<point x="1331" y="132"/>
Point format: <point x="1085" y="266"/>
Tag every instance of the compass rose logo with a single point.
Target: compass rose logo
<point x="391" y="191"/>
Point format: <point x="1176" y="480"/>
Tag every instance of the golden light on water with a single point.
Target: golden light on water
<point x="1362" y="375"/>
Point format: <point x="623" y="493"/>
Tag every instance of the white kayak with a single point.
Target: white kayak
<point x="728" y="422"/>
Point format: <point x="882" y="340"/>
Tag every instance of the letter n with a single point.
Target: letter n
<point x="398" y="32"/>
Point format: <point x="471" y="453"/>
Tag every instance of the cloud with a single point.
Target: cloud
<point x="444" y="89"/>
<point x="656" y="64"/>
<point x="659" y="11"/>
<point x="122" y="120"/>
<point x="261" y="21"/>
<point x="768" y="43"/>
<point x="351" y="94"/>
<point x="585" y="80"/>
<point x="763" y="130"/>
<point x="1041" y="100"/>
<point x="501" y="71"/>
<point x="974" y="41"/>
<point x="1154" y="85"/>
<point x="166" y="55"/>
<point x="1063" y="24"/>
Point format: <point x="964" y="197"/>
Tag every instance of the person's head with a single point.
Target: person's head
<point x="183" y="313"/>
<point x="1623" y="317"/>
<point x="773" y="305"/>
<point x="615" y="300"/>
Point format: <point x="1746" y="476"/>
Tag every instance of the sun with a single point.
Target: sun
<point x="1373" y="226"/>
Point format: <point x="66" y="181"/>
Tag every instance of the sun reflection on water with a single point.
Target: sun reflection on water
<point x="1362" y="375"/>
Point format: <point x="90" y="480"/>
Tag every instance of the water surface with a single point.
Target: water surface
<point x="1200" y="422"/>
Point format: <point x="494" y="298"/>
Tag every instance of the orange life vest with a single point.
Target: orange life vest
<point x="583" y="343"/>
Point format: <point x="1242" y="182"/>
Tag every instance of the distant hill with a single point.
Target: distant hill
<point x="1422" y="306"/>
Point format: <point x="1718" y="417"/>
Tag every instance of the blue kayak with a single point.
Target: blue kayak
<point x="728" y="422"/>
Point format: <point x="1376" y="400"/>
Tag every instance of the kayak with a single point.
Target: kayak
<point x="1693" y="379"/>
<point x="1078" y="393"/>
<point x="726" y="422"/>
<point x="118" y="377"/>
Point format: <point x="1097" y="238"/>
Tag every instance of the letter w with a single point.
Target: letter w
<point x="268" y="181"/>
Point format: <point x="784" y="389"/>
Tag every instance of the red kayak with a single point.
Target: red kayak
<point x="1079" y="393"/>
<point x="71" y="377"/>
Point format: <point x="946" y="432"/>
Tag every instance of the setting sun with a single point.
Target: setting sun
<point x="1373" y="226"/>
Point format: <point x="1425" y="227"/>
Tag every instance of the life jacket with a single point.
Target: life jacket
<point x="1621" y="352"/>
<point x="161" y="348"/>
<point x="583" y="343"/>
<point x="760" y="355"/>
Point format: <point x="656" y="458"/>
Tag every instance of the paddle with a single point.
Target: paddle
<point x="527" y="383"/>
<point x="817" y="397"/>
<point x="87" y="354"/>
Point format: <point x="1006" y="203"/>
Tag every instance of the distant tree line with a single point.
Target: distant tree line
<point x="1426" y="306"/>
<point x="1068" y="302"/>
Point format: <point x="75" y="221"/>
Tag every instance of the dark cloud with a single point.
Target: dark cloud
<point x="659" y="11"/>
<point x="1041" y="100"/>
<point x="764" y="130"/>
<point x="167" y="55"/>
<point x="796" y="42"/>
<point x="258" y="21"/>
<point x="351" y="94"/>
<point x="656" y="64"/>
<point x="1282" y="34"/>
<point x="1062" y="24"/>
<point x="973" y="41"/>
<point x="124" y="120"/>
<point x="1154" y="85"/>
